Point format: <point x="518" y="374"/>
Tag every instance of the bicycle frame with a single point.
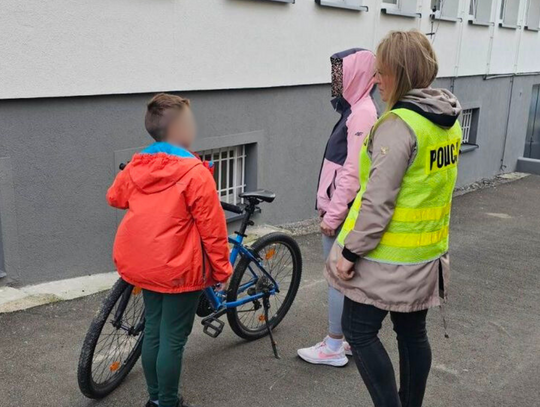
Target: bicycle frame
<point x="218" y="298"/>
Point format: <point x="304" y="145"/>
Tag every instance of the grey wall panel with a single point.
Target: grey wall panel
<point x="493" y="98"/>
<point x="63" y="158"/>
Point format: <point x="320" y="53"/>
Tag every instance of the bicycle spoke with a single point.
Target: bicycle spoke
<point x="278" y="262"/>
<point x="115" y="345"/>
<point x="277" y="270"/>
<point x="282" y="266"/>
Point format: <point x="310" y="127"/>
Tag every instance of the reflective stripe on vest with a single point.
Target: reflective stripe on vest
<point x="418" y="231"/>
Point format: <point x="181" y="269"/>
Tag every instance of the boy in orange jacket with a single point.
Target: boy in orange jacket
<point x="172" y="241"/>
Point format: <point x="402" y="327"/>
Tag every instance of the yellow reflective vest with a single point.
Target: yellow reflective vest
<point x="418" y="231"/>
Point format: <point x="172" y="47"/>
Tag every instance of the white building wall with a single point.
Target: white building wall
<point x="505" y="44"/>
<point x="529" y="58"/>
<point x="474" y="51"/>
<point x="84" y="47"/>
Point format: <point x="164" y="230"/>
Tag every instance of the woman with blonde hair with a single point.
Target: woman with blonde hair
<point x="392" y="253"/>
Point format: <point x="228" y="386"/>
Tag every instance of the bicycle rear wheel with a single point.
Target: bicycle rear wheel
<point x="281" y="257"/>
<point x="113" y="343"/>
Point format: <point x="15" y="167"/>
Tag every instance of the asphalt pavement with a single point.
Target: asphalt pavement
<point x="492" y="357"/>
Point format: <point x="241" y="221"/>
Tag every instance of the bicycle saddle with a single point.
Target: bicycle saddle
<point x="261" y="195"/>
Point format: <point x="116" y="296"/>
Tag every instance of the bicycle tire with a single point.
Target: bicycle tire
<point x="233" y="314"/>
<point x="86" y="382"/>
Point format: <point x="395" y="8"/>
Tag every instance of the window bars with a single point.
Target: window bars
<point x="466" y="124"/>
<point x="229" y="171"/>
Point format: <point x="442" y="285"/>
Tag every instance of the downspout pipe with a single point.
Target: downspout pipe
<point x="512" y="80"/>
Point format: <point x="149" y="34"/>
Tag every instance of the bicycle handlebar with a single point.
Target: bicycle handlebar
<point x="232" y="208"/>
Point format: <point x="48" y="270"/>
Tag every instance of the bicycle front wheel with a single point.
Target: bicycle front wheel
<point x="281" y="258"/>
<point x="113" y="343"/>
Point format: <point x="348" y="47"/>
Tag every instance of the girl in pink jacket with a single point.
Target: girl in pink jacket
<point x="352" y="85"/>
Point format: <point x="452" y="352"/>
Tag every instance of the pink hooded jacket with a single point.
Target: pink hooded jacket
<point x="352" y="83"/>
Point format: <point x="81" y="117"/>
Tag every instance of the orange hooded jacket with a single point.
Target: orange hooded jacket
<point x="173" y="237"/>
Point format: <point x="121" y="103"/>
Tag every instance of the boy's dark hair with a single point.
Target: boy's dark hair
<point x="158" y="113"/>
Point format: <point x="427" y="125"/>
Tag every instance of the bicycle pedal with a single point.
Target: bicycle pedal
<point x="213" y="327"/>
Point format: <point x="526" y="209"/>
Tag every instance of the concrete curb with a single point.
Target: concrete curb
<point x="490" y="182"/>
<point x="17" y="299"/>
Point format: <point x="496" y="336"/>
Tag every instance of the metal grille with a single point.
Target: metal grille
<point x="229" y="171"/>
<point x="466" y="124"/>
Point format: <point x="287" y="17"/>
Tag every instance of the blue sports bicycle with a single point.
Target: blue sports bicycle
<point x="262" y="289"/>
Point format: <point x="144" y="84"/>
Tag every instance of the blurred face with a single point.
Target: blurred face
<point x="182" y="129"/>
<point x="385" y="82"/>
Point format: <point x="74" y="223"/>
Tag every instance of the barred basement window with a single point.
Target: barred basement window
<point x="229" y="171"/>
<point x="466" y="122"/>
<point x="469" y="128"/>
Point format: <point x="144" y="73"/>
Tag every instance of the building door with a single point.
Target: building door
<point x="532" y="144"/>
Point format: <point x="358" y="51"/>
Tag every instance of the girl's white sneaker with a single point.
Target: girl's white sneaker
<point x="347" y="347"/>
<point x="321" y="354"/>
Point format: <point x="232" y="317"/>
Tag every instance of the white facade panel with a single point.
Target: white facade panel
<point x="446" y="40"/>
<point x="505" y="51"/>
<point x="68" y="48"/>
<point x="509" y="55"/>
<point x="529" y="50"/>
<point x="388" y="23"/>
<point x="475" y="50"/>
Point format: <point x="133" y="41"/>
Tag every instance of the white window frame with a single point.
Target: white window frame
<point x="447" y="10"/>
<point x="225" y="160"/>
<point x="356" y="5"/>
<point x="402" y="8"/>
<point x="532" y="19"/>
<point x="508" y="13"/>
<point x="482" y="12"/>
<point x="389" y="5"/>
<point x="472" y="9"/>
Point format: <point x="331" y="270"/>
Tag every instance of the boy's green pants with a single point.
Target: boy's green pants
<point x="169" y="320"/>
